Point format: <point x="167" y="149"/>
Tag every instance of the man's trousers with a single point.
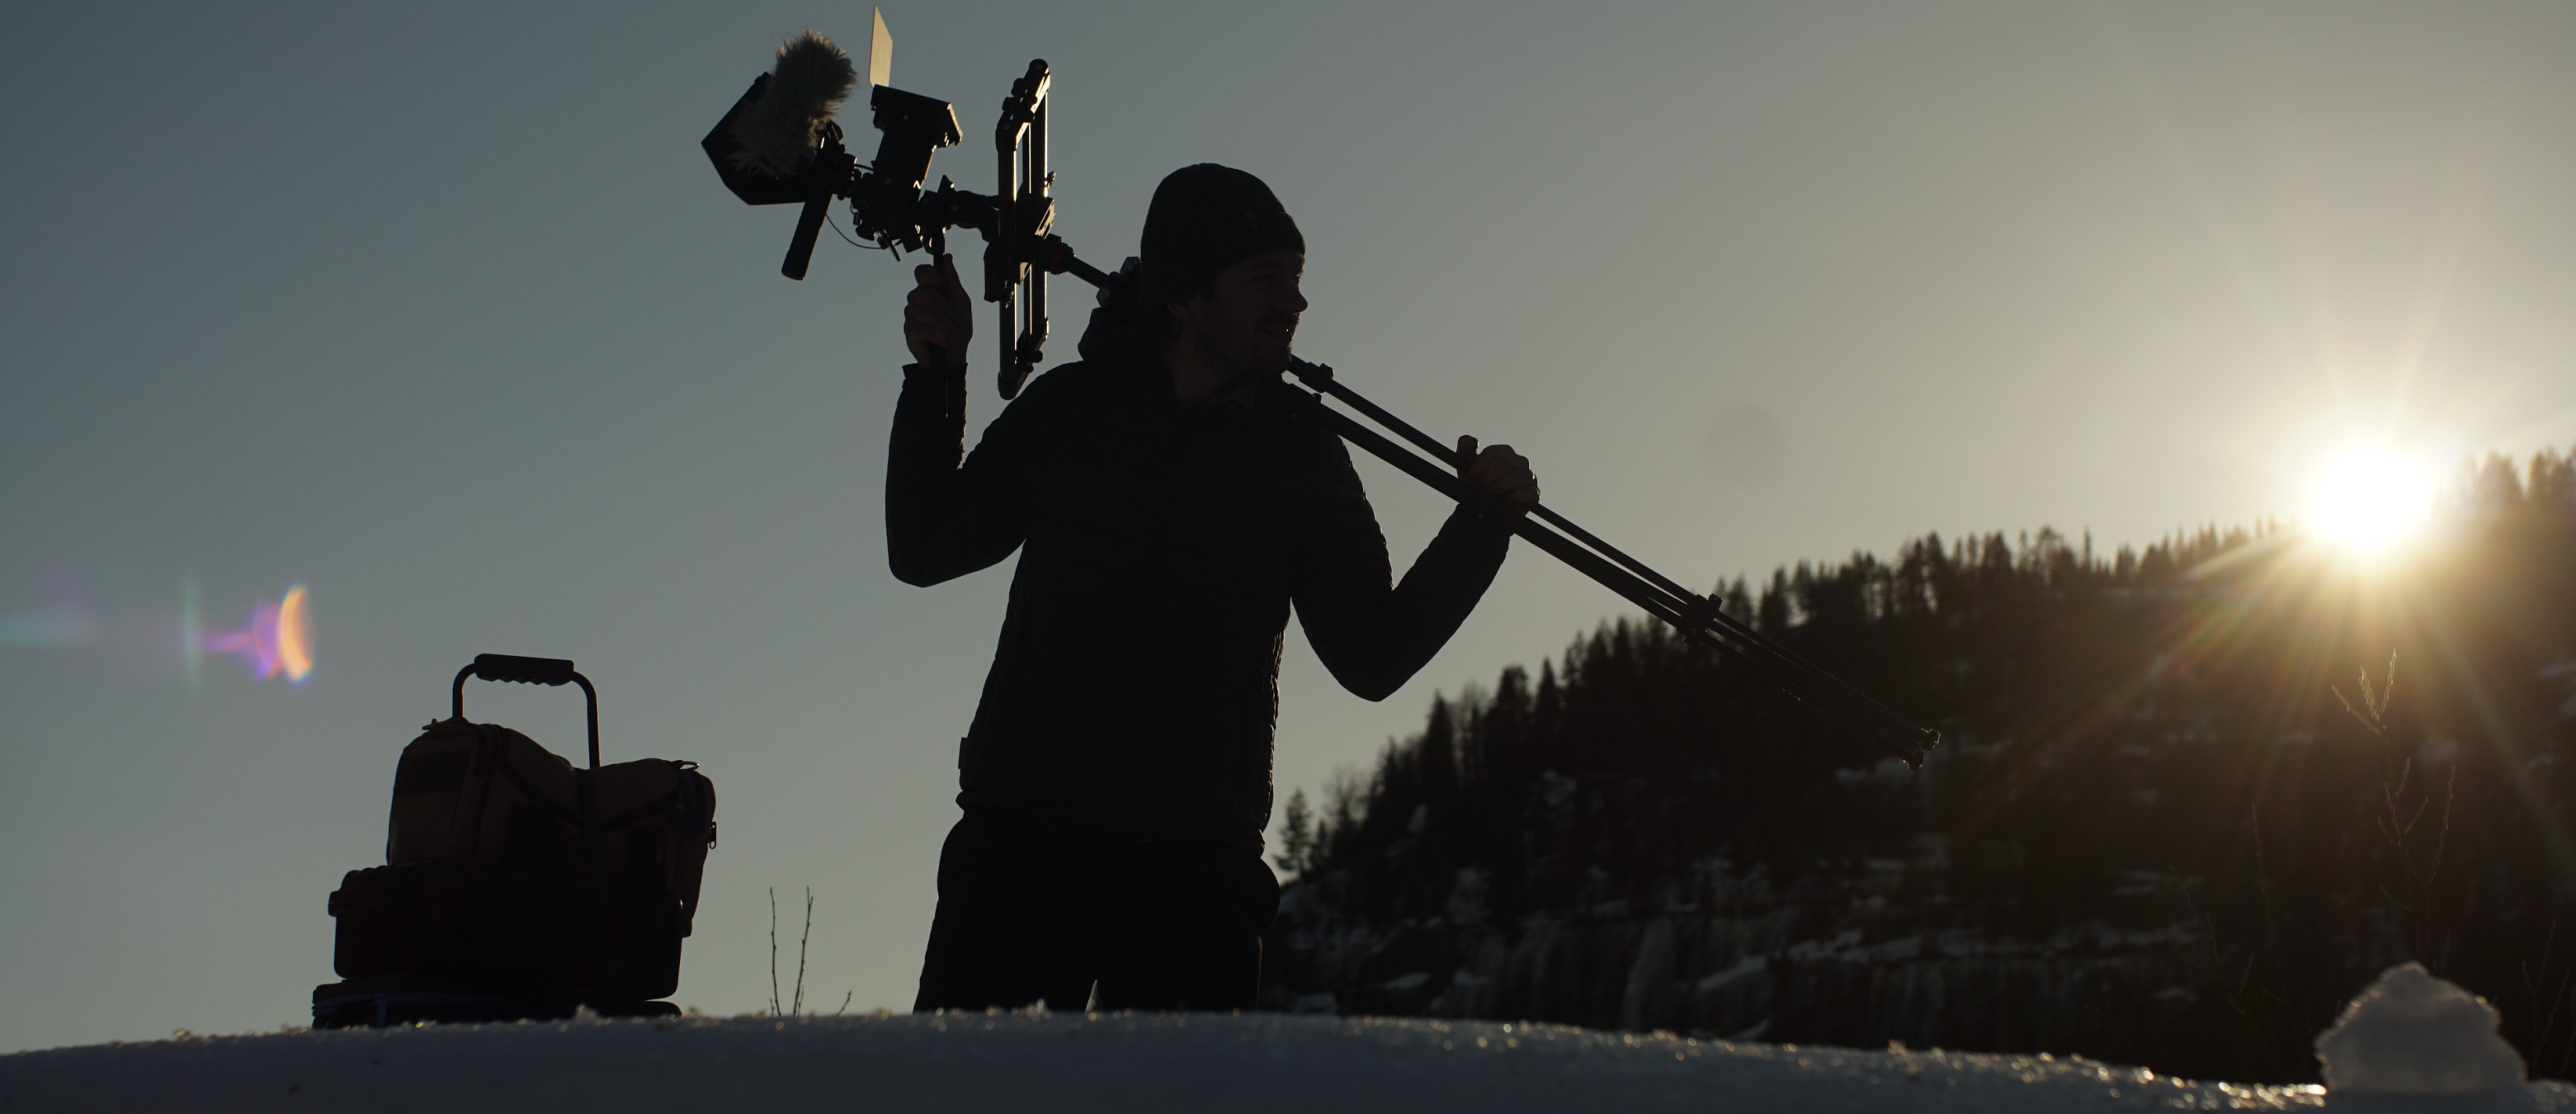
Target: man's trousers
<point x="1033" y="909"/>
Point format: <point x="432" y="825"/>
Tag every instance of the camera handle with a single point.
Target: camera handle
<point x="1023" y="211"/>
<point x="831" y="163"/>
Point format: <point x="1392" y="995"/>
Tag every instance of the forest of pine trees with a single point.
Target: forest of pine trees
<point x="2179" y="815"/>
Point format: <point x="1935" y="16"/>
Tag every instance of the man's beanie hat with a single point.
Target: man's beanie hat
<point x="1204" y="219"/>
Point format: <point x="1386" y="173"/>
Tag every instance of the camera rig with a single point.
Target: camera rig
<point x="890" y="206"/>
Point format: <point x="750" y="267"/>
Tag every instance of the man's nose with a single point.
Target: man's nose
<point x="1296" y="302"/>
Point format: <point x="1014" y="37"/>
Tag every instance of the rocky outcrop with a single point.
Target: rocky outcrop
<point x="1830" y="960"/>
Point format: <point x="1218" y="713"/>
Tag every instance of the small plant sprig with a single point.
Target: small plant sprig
<point x="795" y="1005"/>
<point x="2373" y="712"/>
<point x="2412" y="893"/>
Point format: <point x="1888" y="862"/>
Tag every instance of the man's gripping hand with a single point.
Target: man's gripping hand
<point x="938" y="317"/>
<point x="1497" y="471"/>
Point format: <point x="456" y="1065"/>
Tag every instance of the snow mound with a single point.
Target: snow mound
<point x="2412" y="1034"/>
<point x="1113" y="1062"/>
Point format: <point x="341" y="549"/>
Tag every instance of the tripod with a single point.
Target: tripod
<point x="1696" y="616"/>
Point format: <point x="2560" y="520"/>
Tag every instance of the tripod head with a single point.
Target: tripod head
<point x="779" y="145"/>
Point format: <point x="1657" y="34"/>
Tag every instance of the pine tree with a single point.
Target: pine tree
<point x="1296" y="837"/>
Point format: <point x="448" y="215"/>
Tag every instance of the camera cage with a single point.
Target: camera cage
<point x="889" y="206"/>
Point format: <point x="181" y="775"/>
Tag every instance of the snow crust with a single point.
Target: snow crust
<point x="1189" y="1062"/>
<point x="2412" y="1034"/>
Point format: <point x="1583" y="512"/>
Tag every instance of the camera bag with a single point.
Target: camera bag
<point x="516" y="885"/>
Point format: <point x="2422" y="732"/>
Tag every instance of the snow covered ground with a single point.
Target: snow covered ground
<point x="2408" y="1043"/>
<point x="1258" y="1062"/>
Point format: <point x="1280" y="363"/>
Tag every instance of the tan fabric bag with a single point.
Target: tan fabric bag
<point x="623" y="847"/>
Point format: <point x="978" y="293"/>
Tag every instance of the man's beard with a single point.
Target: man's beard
<point x="1261" y="349"/>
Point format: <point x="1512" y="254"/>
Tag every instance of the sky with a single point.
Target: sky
<point x="438" y="312"/>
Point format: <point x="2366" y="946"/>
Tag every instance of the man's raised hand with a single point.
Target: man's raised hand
<point x="938" y="317"/>
<point x="1498" y="471"/>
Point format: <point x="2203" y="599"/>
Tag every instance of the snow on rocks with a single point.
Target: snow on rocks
<point x="2412" y="1034"/>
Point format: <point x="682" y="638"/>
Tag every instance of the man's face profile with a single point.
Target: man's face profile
<point x="1244" y="325"/>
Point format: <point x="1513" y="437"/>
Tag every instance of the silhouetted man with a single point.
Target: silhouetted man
<point x="1170" y="505"/>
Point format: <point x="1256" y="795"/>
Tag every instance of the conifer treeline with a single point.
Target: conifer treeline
<point x="2148" y="740"/>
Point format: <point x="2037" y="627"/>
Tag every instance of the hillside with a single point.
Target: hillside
<point x="2155" y="832"/>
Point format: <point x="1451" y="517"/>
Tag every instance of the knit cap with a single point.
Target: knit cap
<point x="1205" y="218"/>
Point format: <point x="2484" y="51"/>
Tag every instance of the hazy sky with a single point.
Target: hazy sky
<point x="439" y="311"/>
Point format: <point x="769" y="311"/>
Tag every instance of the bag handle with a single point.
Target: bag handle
<point x="530" y="671"/>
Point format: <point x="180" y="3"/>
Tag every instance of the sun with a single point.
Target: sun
<point x="2370" y="503"/>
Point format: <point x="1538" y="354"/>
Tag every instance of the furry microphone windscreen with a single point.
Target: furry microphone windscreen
<point x="780" y="133"/>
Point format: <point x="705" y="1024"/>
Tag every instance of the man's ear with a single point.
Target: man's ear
<point x="1186" y="312"/>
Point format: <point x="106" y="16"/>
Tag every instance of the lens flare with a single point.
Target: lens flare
<point x="69" y="618"/>
<point x="276" y="642"/>
<point x="294" y="639"/>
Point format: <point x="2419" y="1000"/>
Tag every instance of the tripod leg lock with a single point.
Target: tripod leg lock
<point x="1700" y="611"/>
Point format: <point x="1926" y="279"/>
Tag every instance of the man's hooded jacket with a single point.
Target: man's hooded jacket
<point x="1135" y="687"/>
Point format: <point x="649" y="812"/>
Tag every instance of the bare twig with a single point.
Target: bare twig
<point x="2346" y="701"/>
<point x="2410" y="888"/>
<point x="2373" y="713"/>
<point x="773" y="952"/>
<point x="799" y="1006"/>
<point x="2387" y="687"/>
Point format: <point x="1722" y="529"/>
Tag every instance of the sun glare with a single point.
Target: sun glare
<point x="2370" y="504"/>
